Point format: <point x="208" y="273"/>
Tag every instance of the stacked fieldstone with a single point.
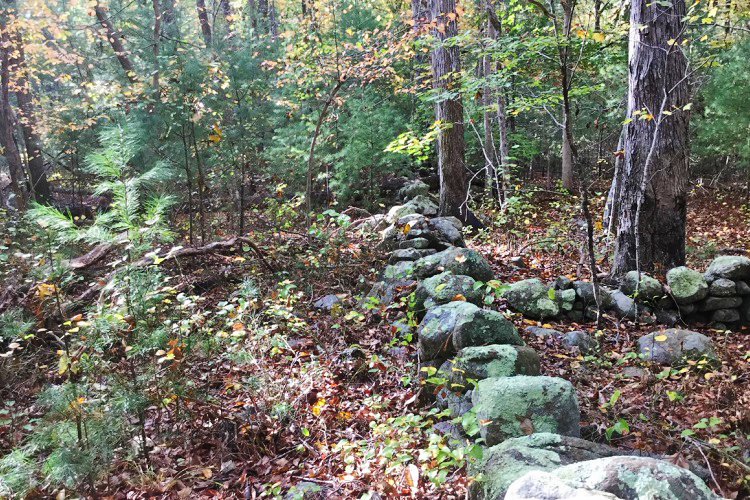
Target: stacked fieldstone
<point x="479" y="367"/>
<point x="720" y="296"/>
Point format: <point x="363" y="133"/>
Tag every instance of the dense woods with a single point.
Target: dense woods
<point x="243" y="245"/>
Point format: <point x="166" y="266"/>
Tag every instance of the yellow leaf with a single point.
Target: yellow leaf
<point x="316" y="408"/>
<point x="598" y="37"/>
<point x="714" y="441"/>
<point x="458" y="298"/>
<point x="661" y="338"/>
<point x="62" y="365"/>
<point x="598" y="225"/>
<point x="581" y="34"/>
<point x="546" y="325"/>
<point x="406" y="229"/>
<point x="207" y="473"/>
<point x="709" y="376"/>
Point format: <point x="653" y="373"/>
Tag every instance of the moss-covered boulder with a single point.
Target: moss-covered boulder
<point x="456" y="260"/>
<point x="674" y="345"/>
<point x="733" y="267"/>
<point x="539" y="485"/>
<point x="510" y="407"/>
<point x="532" y="299"/>
<point x="449" y="328"/>
<point x="649" y="289"/>
<point x="502" y="464"/>
<point x="420" y="204"/>
<point x="687" y="286"/>
<point x="443" y="288"/>
<point x="635" y="478"/>
<point x="479" y="363"/>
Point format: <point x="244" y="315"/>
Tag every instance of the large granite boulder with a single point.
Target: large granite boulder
<point x="687" y="286"/>
<point x="532" y="299"/>
<point x="502" y="464"/>
<point x="420" y="204"/>
<point x="635" y="478"/>
<point x="539" y="485"/>
<point x="449" y="328"/>
<point x="443" y="288"/>
<point x="674" y="345"/>
<point x="513" y="406"/>
<point x="479" y="363"/>
<point x="733" y="267"/>
<point x="649" y="289"/>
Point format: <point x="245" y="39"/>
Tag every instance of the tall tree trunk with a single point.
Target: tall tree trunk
<point x="568" y="151"/>
<point x="451" y="147"/>
<point x="200" y="6"/>
<point x="155" y="49"/>
<point x="37" y="172"/>
<point x="115" y="40"/>
<point x="7" y="120"/>
<point x="651" y="224"/>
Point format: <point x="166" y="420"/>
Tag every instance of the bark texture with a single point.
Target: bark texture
<point x="115" y="40"/>
<point x="200" y="6"/>
<point x="653" y="178"/>
<point x="449" y="110"/>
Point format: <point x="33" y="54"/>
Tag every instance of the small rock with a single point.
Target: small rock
<point x="306" y="490"/>
<point x="531" y="298"/>
<point x="565" y="299"/>
<point x="673" y="345"/>
<point x="667" y="317"/>
<point x="518" y="262"/>
<point x="448" y="230"/>
<point x="687" y="286"/>
<point x="635" y="372"/>
<point x="452" y="429"/>
<point x="327" y="303"/>
<point x="479" y="363"/>
<point x="722" y="287"/>
<point x="719" y="326"/>
<point x="648" y="290"/>
<point x="585" y="343"/>
<point x="543" y="332"/>
<point x="412" y="189"/>
<point x="443" y="288"/>
<point x="563" y="283"/>
<point x="725" y="315"/>
<point x="408" y="254"/>
<point x="417" y="243"/>
<point x="714" y="303"/>
<point x="730" y="267"/>
<point x="585" y="291"/>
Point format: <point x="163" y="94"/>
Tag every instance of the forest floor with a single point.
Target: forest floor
<point x="286" y="399"/>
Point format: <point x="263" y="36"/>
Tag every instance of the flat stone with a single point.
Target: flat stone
<point x="722" y="287"/>
<point x="327" y="303"/>
<point x="726" y="315"/>
<point x="417" y="243"/>
<point x="543" y="332"/>
<point x="584" y="342"/>
<point x="714" y="303"/>
<point x="673" y="345"/>
<point x="729" y="266"/>
<point x="479" y="363"/>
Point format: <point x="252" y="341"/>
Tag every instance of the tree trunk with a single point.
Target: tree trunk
<point x="568" y="151"/>
<point x="200" y="6"/>
<point x="7" y="122"/>
<point x="37" y="172"/>
<point x="491" y="163"/>
<point x="451" y="147"/>
<point x="651" y="223"/>
<point x="155" y="49"/>
<point x="115" y="40"/>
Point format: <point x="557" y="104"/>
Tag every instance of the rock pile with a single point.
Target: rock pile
<point x="720" y="296"/>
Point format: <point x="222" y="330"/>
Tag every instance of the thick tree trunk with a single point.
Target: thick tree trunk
<point x="115" y="40"/>
<point x="200" y="6"/>
<point x="37" y="172"/>
<point x="651" y="223"/>
<point x="451" y="147"/>
<point x="7" y="121"/>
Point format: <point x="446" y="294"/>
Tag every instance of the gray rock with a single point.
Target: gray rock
<point x="389" y="238"/>
<point x="453" y="430"/>
<point x="732" y="267"/>
<point x="634" y="372"/>
<point x="624" y="306"/>
<point x="448" y="230"/>
<point x="726" y="315"/>
<point x="722" y="287"/>
<point x="412" y="189"/>
<point x="518" y="262"/>
<point x="539" y="485"/>
<point x="667" y="317"/>
<point x="719" y="326"/>
<point x="714" y="303"/>
<point x="745" y="310"/>
<point x="531" y="298"/>
<point x="479" y="363"/>
<point x="327" y="303"/>
<point x="585" y="292"/>
<point x="743" y="288"/>
<point x="420" y="204"/>
<point x="687" y="286"/>
<point x="676" y="345"/>
<point x="585" y="343"/>
<point x="650" y="289"/>
<point x="563" y="283"/>
<point x="451" y="327"/>
<point x="459" y="404"/>
<point x="457" y="260"/>
<point x="688" y="309"/>
<point x="544" y="404"/>
<point x="417" y="243"/>
<point x="635" y="478"/>
<point x="502" y="464"/>
<point x="409" y="254"/>
<point x="543" y="332"/>
<point x="445" y="287"/>
<point x="415" y="220"/>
